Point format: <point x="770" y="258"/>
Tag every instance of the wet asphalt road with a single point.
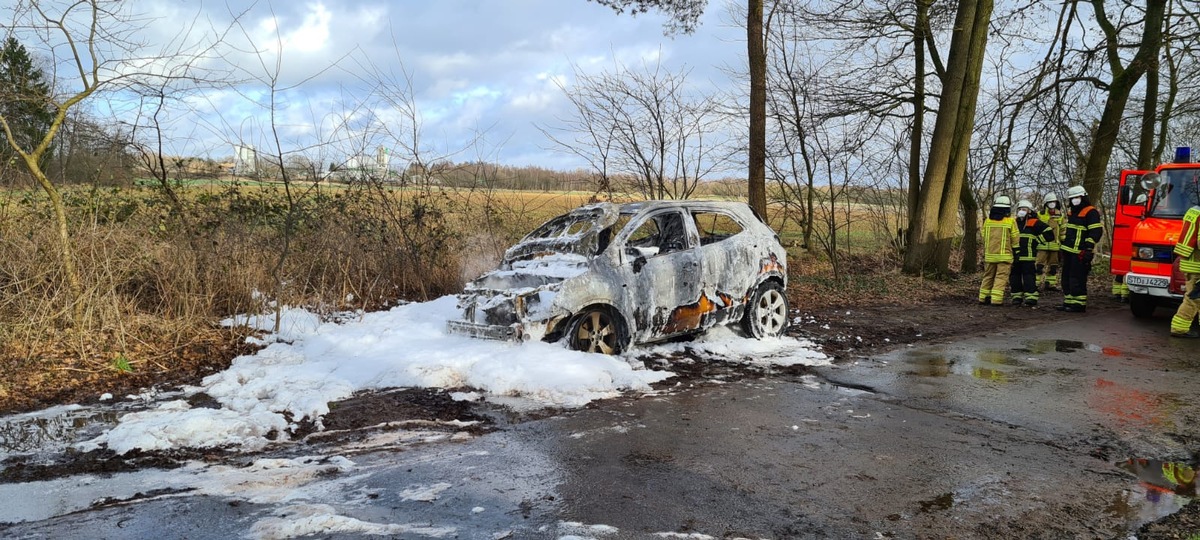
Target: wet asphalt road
<point x="1014" y="435"/>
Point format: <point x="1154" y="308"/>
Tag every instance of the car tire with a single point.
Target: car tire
<point x="1142" y="305"/>
<point x="598" y="330"/>
<point x="767" y="313"/>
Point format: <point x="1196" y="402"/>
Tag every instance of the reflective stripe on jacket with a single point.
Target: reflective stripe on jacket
<point x="1054" y="219"/>
<point x="1034" y="234"/>
<point x="1185" y="247"/>
<point x="1082" y="231"/>
<point x="1000" y="238"/>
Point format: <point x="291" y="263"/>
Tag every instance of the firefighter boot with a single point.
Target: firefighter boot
<point x="1190" y="334"/>
<point x="1052" y="279"/>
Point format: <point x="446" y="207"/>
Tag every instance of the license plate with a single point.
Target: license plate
<point x="1147" y="281"/>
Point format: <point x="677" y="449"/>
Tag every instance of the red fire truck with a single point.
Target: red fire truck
<point x="1146" y="224"/>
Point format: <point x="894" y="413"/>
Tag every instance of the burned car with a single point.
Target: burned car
<point x="604" y="276"/>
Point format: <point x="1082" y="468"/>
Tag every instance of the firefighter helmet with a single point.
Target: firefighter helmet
<point x="1024" y="203"/>
<point x="1049" y="198"/>
<point x="1002" y="201"/>
<point x="1076" y="191"/>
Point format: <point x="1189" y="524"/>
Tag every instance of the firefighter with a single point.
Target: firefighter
<point x="1120" y="291"/>
<point x="1033" y="233"/>
<point x="1081" y="231"/>
<point x="1047" y="255"/>
<point x="1000" y="239"/>
<point x="1189" y="264"/>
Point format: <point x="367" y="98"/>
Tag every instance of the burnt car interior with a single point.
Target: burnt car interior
<point x="664" y="231"/>
<point x="714" y="226"/>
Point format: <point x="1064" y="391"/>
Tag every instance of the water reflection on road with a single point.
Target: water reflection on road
<point x="52" y="428"/>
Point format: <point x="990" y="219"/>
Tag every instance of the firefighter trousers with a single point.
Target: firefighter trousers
<point x="1047" y="267"/>
<point x="1023" y="282"/>
<point x="1075" y="275"/>
<point x="1181" y="323"/>
<point x="995" y="275"/>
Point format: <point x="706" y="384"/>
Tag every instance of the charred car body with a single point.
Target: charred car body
<point x="605" y="275"/>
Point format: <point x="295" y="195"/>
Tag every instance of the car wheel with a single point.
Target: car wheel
<point x="1142" y="305"/>
<point x="767" y="313"/>
<point x="598" y="330"/>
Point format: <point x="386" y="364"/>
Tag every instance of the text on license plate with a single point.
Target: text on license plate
<point x="1147" y="281"/>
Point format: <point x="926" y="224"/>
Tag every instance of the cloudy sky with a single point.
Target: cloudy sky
<point x="480" y="70"/>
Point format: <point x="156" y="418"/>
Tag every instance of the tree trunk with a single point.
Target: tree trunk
<point x="1169" y="106"/>
<point x="948" y="225"/>
<point x="970" y="245"/>
<point x="1145" y="158"/>
<point x="918" y="125"/>
<point x="757" y="55"/>
<point x="937" y="208"/>
<point x="1124" y="79"/>
<point x="70" y="270"/>
<point x="809" y="206"/>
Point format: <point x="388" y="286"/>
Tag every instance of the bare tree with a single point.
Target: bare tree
<point x="93" y="41"/>
<point x="644" y="125"/>
<point x="684" y="16"/>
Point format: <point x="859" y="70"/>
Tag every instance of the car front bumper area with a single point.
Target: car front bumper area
<point x="512" y="332"/>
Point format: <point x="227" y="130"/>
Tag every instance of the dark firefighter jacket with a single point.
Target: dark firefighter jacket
<point x="1082" y="230"/>
<point x="1034" y="234"/>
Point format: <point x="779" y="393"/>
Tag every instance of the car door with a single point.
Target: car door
<point x="661" y="274"/>
<point x="728" y="266"/>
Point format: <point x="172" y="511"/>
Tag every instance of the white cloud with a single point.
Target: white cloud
<point x="468" y="65"/>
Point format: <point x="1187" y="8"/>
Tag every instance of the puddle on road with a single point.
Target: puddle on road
<point x="989" y="364"/>
<point x="1043" y="346"/>
<point x="929" y="363"/>
<point x="1163" y="488"/>
<point x="55" y="427"/>
<point x="1003" y="358"/>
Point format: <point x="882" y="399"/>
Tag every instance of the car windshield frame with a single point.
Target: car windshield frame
<point x="577" y="232"/>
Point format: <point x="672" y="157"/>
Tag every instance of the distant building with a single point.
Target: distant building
<point x="363" y="167"/>
<point x="245" y="160"/>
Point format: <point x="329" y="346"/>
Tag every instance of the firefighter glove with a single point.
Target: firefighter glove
<point x="1085" y="255"/>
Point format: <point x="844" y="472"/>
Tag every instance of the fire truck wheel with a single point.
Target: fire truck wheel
<point x="1142" y="305"/>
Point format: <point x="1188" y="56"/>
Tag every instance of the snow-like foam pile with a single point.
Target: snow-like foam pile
<point x="407" y="346"/>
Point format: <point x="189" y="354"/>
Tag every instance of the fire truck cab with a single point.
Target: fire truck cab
<point x="1147" y="223"/>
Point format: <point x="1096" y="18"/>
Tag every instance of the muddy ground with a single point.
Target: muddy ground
<point x="842" y="329"/>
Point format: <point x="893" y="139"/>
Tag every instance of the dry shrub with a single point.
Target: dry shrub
<point x="148" y="277"/>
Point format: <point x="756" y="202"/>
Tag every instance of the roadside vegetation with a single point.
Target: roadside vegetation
<point x="156" y="284"/>
<point x="123" y="244"/>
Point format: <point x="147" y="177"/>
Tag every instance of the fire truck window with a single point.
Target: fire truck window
<point x="1178" y="193"/>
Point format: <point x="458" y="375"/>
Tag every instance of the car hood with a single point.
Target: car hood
<point x="564" y="239"/>
<point x="522" y="276"/>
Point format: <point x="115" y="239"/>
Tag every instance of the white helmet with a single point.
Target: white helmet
<point x="1024" y="203"/>
<point x="1050" y="197"/>
<point x="1002" y="201"/>
<point x="1076" y="191"/>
